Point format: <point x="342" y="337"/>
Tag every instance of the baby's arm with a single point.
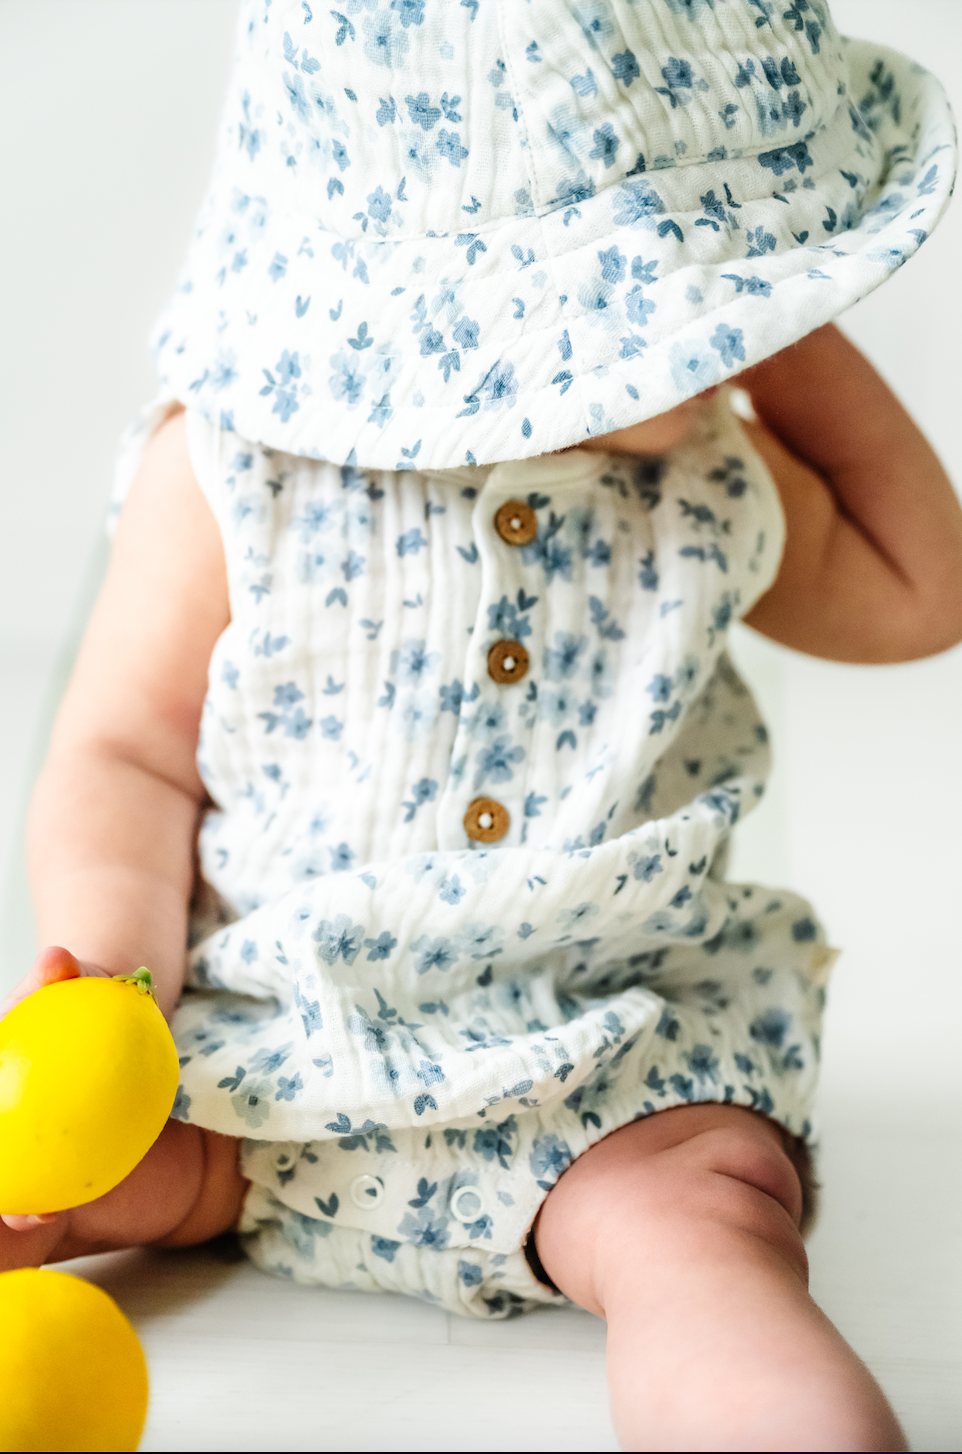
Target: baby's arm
<point x="112" y="832"/>
<point x="872" y="570"/>
<point x="112" y="827"/>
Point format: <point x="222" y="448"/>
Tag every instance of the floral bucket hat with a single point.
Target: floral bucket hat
<point x="449" y="231"/>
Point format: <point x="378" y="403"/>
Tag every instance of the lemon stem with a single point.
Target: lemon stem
<point x="141" y="978"/>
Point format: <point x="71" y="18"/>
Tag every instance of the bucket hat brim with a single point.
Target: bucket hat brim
<point x="530" y="334"/>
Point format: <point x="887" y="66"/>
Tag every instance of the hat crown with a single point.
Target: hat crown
<point x="405" y="118"/>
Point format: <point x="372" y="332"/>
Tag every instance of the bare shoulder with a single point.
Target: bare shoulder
<point x="165" y="488"/>
<point x="168" y="554"/>
<point x="141" y="676"/>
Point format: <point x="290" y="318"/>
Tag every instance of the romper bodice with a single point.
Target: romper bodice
<point x="358" y="704"/>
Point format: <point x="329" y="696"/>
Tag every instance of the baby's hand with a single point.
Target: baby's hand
<point x="50" y="966"/>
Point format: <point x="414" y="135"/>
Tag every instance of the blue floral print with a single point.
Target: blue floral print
<point x="358" y="144"/>
<point x="417" y="1031"/>
<point x="395" y="1016"/>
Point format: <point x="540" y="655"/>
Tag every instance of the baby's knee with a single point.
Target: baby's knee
<point x="737" y="1168"/>
<point x="711" y="1162"/>
<point x="659" y="1187"/>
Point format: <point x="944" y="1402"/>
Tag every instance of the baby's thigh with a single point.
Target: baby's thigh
<point x="646" y="1195"/>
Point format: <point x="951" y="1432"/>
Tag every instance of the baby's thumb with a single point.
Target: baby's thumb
<point x="50" y="965"/>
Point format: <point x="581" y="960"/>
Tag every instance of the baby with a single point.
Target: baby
<point x="417" y="611"/>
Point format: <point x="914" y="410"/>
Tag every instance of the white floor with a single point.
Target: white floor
<point x="239" y="1361"/>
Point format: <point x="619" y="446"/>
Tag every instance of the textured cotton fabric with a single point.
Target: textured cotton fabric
<point x="417" y="1034"/>
<point x="444" y="232"/>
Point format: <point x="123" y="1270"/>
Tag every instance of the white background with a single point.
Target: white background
<point x="108" y="111"/>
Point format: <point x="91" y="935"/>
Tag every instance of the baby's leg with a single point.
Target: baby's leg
<point x="187" y="1189"/>
<point x="681" y="1230"/>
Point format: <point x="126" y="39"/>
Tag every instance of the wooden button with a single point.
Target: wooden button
<point x="486" y="821"/>
<point x="507" y="662"/>
<point x="517" y="524"/>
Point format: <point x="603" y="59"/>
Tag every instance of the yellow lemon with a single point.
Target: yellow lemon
<point x="72" y="1373"/>
<point x="88" y="1075"/>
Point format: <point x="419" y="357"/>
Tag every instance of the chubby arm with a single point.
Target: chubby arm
<point x="111" y="835"/>
<point x="112" y="825"/>
<point x="872" y="570"/>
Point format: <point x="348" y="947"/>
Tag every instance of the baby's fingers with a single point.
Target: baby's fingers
<point x="31" y="1241"/>
<point x="51" y="965"/>
<point x="28" y="1223"/>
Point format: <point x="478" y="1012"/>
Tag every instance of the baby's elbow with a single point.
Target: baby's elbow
<point x="930" y="622"/>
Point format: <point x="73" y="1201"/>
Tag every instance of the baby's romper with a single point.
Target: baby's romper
<point x="476" y="750"/>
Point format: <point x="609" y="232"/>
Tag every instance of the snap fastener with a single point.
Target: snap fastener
<point x="367" y="1192"/>
<point x="486" y="821"/>
<point x="516" y="523"/>
<point x="467" y="1204"/>
<point x="507" y="662"/>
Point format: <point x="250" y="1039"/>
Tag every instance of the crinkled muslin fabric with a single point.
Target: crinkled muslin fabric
<point x="445" y="240"/>
<point x="453" y="231"/>
<point x="417" y="1032"/>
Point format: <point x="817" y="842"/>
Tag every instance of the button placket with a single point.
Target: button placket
<point x="487" y="820"/>
<point x="501" y="526"/>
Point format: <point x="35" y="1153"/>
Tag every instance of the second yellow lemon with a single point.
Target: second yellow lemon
<point x="72" y="1373"/>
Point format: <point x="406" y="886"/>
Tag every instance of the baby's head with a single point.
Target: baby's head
<point x="659" y="435"/>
